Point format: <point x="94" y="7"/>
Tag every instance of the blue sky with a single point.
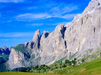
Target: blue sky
<point x="19" y="19"/>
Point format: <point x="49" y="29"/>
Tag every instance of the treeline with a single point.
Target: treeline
<point x="44" y="68"/>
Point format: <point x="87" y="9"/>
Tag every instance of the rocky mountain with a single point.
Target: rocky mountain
<point x="5" y="50"/>
<point x="77" y="39"/>
<point x="4" y="54"/>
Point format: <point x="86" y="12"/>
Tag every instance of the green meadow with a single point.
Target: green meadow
<point x="88" y="68"/>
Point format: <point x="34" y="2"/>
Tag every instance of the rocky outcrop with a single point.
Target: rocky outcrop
<point x="83" y="33"/>
<point x="35" y="43"/>
<point x="53" y="47"/>
<point x="17" y="59"/>
<point x="4" y="56"/>
<point x="5" y="50"/>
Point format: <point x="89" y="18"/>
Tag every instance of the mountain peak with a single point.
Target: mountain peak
<point x="93" y="5"/>
<point x="4" y="47"/>
<point x="59" y="27"/>
<point x="36" y="35"/>
<point x="75" y="39"/>
<point x="45" y="34"/>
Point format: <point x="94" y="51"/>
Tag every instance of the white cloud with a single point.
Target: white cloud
<point x="37" y="24"/>
<point x="60" y="11"/>
<point x="68" y="16"/>
<point x="17" y="34"/>
<point x="30" y="16"/>
<point x="14" y="1"/>
<point x="57" y="23"/>
<point x="34" y="24"/>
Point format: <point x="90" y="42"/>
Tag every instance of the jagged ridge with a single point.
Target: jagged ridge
<point x="83" y="33"/>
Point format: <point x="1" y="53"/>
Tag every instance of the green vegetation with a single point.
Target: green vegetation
<point x="61" y="59"/>
<point x="45" y="68"/>
<point x="83" y="60"/>
<point x="88" y="68"/>
<point x="3" y="58"/>
<point x="73" y="55"/>
<point x="21" y="48"/>
<point x="4" y="67"/>
<point x="74" y="62"/>
<point x="94" y="56"/>
<point x="55" y="66"/>
<point x="23" y="73"/>
<point x="67" y="67"/>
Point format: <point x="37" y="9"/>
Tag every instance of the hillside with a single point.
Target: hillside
<point x="88" y="68"/>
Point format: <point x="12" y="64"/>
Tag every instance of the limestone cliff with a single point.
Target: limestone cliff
<point x="83" y="33"/>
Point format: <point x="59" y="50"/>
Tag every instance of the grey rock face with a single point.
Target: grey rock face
<point x="53" y="47"/>
<point x="4" y="56"/>
<point x="85" y="30"/>
<point x="5" y="50"/>
<point x="16" y="59"/>
<point x="35" y="43"/>
<point x="83" y="33"/>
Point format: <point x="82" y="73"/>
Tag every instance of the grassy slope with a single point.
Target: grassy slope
<point x="20" y="48"/>
<point x="22" y="73"/>
<point x="88" y="68"/>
